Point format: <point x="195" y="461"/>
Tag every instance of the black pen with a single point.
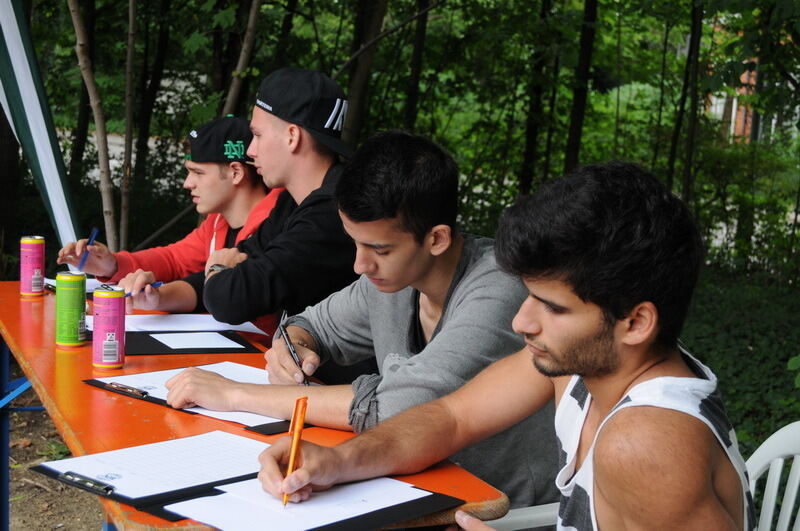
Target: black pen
<point x="290" y="346"/>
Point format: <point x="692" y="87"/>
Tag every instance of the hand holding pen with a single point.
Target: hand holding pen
<point x="99" y="260"/>
<point x="89" y="243"/>
<point x="295" y="432"/>
<point x="140" y="291"/>
<point x="290" y="347"/>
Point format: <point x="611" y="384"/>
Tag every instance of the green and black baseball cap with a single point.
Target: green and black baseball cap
<point x="309" y="99"/>
<point x="221" y="140"/>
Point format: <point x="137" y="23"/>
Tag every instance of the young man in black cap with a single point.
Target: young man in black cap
<point x="300" y="254"/>
<point x="224" y="186"/>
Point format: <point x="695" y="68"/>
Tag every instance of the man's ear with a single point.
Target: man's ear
<point x="439" y="239"/>
<point x="294" y="137"/>
<point x="641" y="324"/>
<point x="237" y="172"/>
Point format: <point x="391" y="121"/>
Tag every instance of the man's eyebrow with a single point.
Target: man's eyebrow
<point x="548" y="302"/>
<point x="378" y="246"/>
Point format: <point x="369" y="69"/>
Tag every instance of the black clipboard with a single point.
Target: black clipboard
<point x="154" y="503"/>
<point x="142" y="343"/>
<point x="270" y="428"/>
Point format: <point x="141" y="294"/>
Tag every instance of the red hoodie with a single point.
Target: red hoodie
<point x="189" y="255"/>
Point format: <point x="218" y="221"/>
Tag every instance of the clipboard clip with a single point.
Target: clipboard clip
<point x="127" y="389"/>
<point x="90" y="484"/>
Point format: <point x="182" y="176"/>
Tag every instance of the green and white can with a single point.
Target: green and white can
<point x="70" y="309"/>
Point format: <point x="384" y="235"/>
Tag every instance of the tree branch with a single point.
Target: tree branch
<point x="382" y="35"/>
<point x="106" y="186"/>
<point x="244" y="59"/>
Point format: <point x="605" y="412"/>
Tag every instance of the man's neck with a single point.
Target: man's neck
<point x="237" y="211"/>
<point x="307" y="175"/>
<point x="634" y="368"/>
<point x="436" y="283"/>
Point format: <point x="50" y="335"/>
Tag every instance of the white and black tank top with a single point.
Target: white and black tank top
<point x="698" y="397"/>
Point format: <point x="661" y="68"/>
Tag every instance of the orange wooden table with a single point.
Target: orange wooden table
<point x="92" y="420"/>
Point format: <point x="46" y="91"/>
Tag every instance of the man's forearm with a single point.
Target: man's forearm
<point x="328" y="405"/>
<point x="177" y="297"/>
<point x="404" y="444"/>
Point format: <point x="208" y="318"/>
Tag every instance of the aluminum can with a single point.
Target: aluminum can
<point x="70" y="309"/>
<point x="31" y="266"/>
<point x="108" y="334"/>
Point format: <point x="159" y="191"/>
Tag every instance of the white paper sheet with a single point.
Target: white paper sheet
<point x="170" y="465"/>
<point x="185" y="322"/>
<point x="154" y="384"/>
<point x="245" y="504"/>
<point x="198" y="340"/>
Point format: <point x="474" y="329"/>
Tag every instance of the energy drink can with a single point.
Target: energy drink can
<point x="108" y="334"/>
<point x="31" y="266"/>
<point x="70" y="309"/>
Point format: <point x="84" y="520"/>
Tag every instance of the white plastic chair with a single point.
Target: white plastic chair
<point x="771" y="455"/>
<point x="527" y="517"/>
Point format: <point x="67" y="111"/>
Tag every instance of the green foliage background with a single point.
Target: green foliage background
<point x="476" y="87"/>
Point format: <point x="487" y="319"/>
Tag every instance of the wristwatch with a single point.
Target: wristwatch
<point x="216" y="268"/>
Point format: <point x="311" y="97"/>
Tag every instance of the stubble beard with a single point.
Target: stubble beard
<point x="592" y="356"/>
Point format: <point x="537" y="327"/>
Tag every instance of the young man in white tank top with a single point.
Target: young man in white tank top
<point x="610" y="259"/>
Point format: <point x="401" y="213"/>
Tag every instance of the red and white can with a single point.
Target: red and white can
<point x="31" y="266"/>
<point x="108" y="334"/>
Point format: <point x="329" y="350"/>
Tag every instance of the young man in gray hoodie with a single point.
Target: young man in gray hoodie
<point x="431" y="307"/>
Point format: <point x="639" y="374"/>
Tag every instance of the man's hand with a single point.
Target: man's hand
<point x="319" y="471"/>
<point x="100" y="262"/>
<point x="196" y="387"/>
<point x="227" y="257"/>
<point x="281" y="366"/>
<point x="469" y="523"/>
<point x="143" y="296"/>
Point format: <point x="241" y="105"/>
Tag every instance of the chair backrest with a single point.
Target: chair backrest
<point x="784" y="443"/>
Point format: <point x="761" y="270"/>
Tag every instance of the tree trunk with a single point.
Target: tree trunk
<point x="412" y="91"/>
<point x="244" y="59"/>
<point x="691" y="134"/>
<point x="106" y="186"/>
<point x="676" y="130"/>
<point x="281" y="59"/>
<point x="745" y="219"/>
<point x="657" y="130"/>
<point x="727" y="117"/>
<point x="81" y="130"/>
<point x="150" y="92"/>
<point x="551" y="118"/>
<point x="369" y="19"/>
<point x="793" y="236"/>
<point x="619" y="83"/>
<point x="125" y="187"/>
<point x="535" y="110"/>
<point x="581" y="89"/>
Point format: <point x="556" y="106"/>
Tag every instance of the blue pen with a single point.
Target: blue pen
<point x="85" y="255"/>
<point x="153" y="285"/>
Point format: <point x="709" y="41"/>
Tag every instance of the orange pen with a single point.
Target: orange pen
<point x="295" y="431"/>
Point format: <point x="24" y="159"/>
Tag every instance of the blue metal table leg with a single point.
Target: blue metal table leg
<point x="5" y="488"/>
<point x="10" y="390"/>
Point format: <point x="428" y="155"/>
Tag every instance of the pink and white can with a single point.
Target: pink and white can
<point x="108" y="334"/>
<point x="31" y="266"/>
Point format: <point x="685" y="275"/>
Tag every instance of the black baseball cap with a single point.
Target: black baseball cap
<point x="309" y="99"/>
<point x="221" y="140"/>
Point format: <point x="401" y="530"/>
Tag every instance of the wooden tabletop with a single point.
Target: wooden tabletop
<point x="92" y="420"/>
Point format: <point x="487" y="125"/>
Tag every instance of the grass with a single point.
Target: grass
<point x="746" y="331"/>
<point x="54" y="450"/>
